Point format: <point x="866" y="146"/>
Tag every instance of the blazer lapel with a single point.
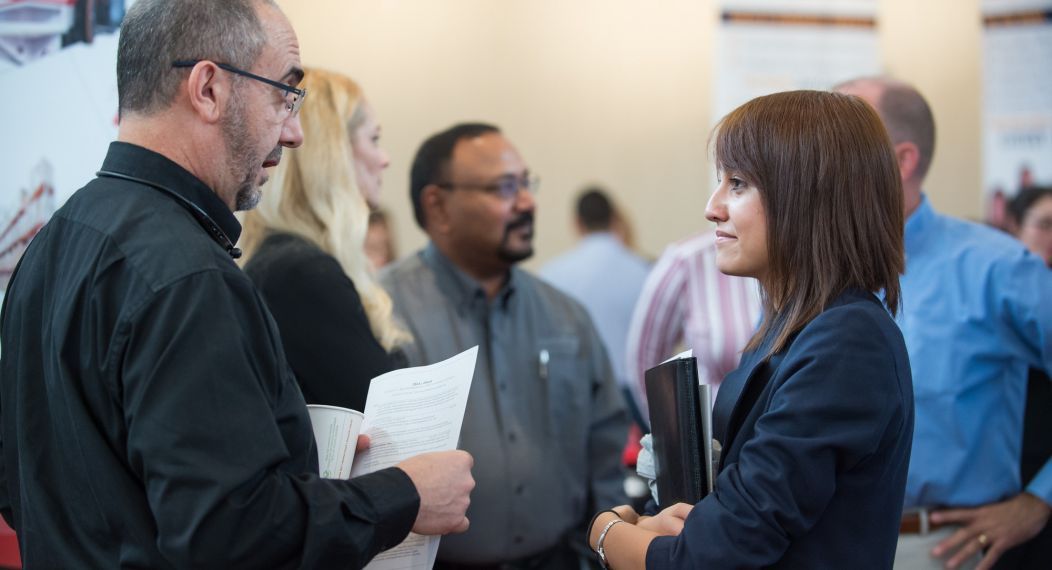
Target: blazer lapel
<point x="728" y="400"/>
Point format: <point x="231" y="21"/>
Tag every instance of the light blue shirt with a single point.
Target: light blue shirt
<point x="605" y="277"/>
<point x="976" y="314"/>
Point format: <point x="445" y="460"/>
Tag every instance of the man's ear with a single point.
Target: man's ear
<point x="208" y="91"/>
<point x="908" y="156"/>
<point x="578" y="227"/>
<point x="435" y="202"/>
<point x="1012" y="226"/>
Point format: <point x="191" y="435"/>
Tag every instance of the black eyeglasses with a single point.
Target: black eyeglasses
<point x="507" y="188"/>
<point x="293" y="97"/>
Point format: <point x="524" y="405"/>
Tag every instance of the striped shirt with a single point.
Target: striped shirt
<point x="686" y="301"/>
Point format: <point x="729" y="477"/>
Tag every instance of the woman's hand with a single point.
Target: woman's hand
<point x="626" y="543"/>
<point x="627" y="514"/>
<point x="668" y="522"/>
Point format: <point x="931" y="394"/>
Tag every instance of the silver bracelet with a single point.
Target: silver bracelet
<point x="599" y="543"/>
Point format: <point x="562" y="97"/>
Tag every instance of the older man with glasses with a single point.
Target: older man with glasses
<point x="545" y="420"/>
<point x="149" y="418"/>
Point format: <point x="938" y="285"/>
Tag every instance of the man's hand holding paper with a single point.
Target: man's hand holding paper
<point x="443" y="480"/>
<point x="413" y="418"/>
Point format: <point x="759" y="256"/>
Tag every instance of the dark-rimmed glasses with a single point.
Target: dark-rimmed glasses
<point x="507" y="188"/>
<point x="293" y="97"/>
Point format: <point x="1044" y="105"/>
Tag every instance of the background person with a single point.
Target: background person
<point x="545" y="420"/>
<point x="304" y="248"/>
<point x="379" y="240"/>
<point x="816" y="423"/>
<point x="601" y="274"/>
<point x="686" y="301"/>
<point x="975" y="320"/>
<point x="1030" y="220"/>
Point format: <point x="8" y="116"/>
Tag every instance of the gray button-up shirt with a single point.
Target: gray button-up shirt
<point x="545" y="421"/>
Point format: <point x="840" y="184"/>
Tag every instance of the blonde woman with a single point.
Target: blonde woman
<point x="304" y="248"/>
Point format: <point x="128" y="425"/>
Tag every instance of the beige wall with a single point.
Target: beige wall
<point x="609" y="91"/>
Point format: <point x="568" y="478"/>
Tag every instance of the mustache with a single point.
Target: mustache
<point x="526" y="219"/>
<point x="275" y="155"/>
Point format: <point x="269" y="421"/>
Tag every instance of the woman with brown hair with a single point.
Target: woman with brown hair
<point x="816" y="423"/>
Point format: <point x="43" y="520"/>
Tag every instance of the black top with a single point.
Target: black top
<point x="149" y="418"/>
<point x="1037" y="425"/>
<point x="323" y="324"/>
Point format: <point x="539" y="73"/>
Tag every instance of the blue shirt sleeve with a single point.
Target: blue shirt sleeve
<point x="1026" y="299"/>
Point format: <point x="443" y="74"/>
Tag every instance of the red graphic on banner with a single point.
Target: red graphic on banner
<point x="20" y="227"/>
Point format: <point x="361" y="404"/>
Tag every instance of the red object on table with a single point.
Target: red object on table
<point x="632" y="447"/>
<point x="9" y="556"/>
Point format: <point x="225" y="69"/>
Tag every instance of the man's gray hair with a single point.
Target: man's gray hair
<point x="156" y="33"/>
<point x="906" y="116"/>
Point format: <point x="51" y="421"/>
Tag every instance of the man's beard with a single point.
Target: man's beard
<point x="514" y="256"/>
<point x="239" y="151"/>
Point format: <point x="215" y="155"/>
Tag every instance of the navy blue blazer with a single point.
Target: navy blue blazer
<point x="816" y="444"/>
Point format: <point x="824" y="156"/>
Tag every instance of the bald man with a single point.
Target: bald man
<point x="973" y="326"/>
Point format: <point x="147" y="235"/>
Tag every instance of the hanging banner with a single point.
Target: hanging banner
<point x="1017" y="100"/>
<point x="766" y="46"/>
<point x="57" y="62"/>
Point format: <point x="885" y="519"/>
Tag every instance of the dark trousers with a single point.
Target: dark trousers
<point x="1035" y="554"/>
<point x="561" y="557"/>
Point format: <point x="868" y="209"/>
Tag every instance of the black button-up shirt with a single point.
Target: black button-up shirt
<point x="148" y="417"/>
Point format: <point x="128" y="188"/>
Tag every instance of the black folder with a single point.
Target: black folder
<point x="680" y="424"/>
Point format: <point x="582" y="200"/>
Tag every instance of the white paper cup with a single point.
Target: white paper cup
<point x="336" y="432"/>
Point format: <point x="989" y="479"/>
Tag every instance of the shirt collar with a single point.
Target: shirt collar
<point x="459" y="285"/>
<point x="601" y="239"/>
<point x="138" y="162"/>
<point x="918" y="224"/>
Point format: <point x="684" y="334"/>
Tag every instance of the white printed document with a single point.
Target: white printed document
<point x="409" y="412"/>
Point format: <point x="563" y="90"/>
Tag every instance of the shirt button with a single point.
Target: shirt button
<point x="511" y="437"/>
<point x="503" y="386"/>
<point x="518" y="540"/>
<point x="520" y="489"/>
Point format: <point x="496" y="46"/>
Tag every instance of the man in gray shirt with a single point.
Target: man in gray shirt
<point x="545" y="421"/>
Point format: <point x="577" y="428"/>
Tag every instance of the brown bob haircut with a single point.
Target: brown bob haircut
<point x="829" y="183"/>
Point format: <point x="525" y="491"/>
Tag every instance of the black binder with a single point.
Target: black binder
<point x="680" y="423"/>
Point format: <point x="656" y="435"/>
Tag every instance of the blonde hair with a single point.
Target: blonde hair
<point x="313" y="193"/>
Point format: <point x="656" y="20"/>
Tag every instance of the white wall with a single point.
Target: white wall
<point x="609" y="91"/>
